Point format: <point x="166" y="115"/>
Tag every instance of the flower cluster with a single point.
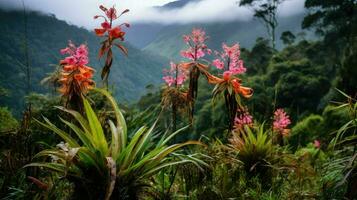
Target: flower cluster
<point x="244" y="118"/>
<point x="75" y="74"/>
<point x="229" y="60"/>
<point x="281" y="122"/>
<point x="107" y="26"/>
<point x="175" y="75"/>
<point x="197" y="47"/>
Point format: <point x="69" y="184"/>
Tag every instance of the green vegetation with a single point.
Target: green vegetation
<point x="295" y="137"/>
<point x="46" y="36"/>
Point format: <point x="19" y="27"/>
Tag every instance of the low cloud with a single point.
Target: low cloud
<point x="81" y="12"/>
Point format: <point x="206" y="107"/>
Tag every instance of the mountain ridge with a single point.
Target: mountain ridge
<point x="46" y="36"/>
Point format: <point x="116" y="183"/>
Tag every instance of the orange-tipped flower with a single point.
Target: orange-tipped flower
<point x="76" y="76"/>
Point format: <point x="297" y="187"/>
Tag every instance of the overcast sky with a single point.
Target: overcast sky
<point x="81" y="12"/>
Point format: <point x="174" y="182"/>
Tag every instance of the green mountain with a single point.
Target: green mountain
<point x="168" y="41"/>
<point x="46" y="36"/>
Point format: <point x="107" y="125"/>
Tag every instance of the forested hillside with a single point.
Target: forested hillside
<point x="168" y="40"/>
<point x="46" y="36"/>
<point x="244" y="110"/>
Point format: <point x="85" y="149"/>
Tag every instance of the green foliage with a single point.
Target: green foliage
<point x="334" y="19"/>
<point x="258" y="58"/>
<point x="299" y="85"/>
<point x="7" y="121"/>
<point x="118" y="167"/>
<point x="47" y="35"/>
<point x="306" y="131"/>
<point x="287" y="37"/>
<point x="348" y="72"/>
<point x="255" y="149"/>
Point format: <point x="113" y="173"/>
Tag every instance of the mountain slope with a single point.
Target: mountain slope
<point x="168" y="41"/>
<point x="46" y="36"/>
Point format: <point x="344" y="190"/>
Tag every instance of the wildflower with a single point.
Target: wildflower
<point x="175" y="76"/>
<point x="197" y="47"/>
<point x="112" y="33"/>
<point x="76" y="77"/>
<point x="317" y="144"/>
<point x="229" y="61"/>
<point x="218" y="64"/>
<point x="281" y="122"/>
<point x="244" y="118"/>
<point x="239" y="89"/>
<point x="231" y="56"/>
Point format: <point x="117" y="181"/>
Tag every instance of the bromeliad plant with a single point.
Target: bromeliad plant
<point x="111" y="34"/>
<point x="255" y="148"/>
<point x="174" y="95"/>
<point x="230" y="86"/>
<point x="76" y="76"/>
<point x="197" y="49"/>
<point x="118" y="168"/>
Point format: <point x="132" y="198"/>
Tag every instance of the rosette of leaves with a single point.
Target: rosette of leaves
<point x="255" y="149"/>
<point x="117" y="168"/>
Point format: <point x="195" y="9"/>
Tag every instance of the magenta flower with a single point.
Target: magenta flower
<point x="76" y="56"/>
<point x="218" y="64"/>
<point x="243" y="119"/>
<point x="281" y="122"/>
<point x="231" y="56"/>
<point x="197" y="47"/>
<point x="175" y="75"/>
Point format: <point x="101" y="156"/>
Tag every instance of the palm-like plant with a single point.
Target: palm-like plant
<point x="104" y="169"/>
<point x="255" y="148"/>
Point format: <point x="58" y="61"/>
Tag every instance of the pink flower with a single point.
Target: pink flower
<point x="317" y="144"/>
<point x="169" y="80"/>
<point x="186" y="38"/>
<point x="243" y="119"/>
<point x="187" y="54"/>
<point x="198" y="35"/>
<point x="70" y="60"/>
<point x="175" y="75"/>
<point x="281" y="122"/>
<point x="76" y="56"/>
<point x="218" y="64"/>
<point x="200" y="53"/>
<point x="230" y="55"/>
<point x="181" y="79"/>
<point x="231" y="51"/>
<point x="197" y="47"/>
<point x="65" y="51"/>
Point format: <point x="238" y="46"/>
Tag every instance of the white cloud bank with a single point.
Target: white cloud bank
<point x="81" y="12"/>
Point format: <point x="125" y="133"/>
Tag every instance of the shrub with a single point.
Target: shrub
<point x="7" y="121"/>
<point x="306" y="131"/>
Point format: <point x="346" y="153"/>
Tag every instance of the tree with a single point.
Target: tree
<point x="331" y="18"/>
<point x="336" y="21"/>
<point x="287" y="37"/>
<point x="266" y="11"/>
<point x="257" y="60"/>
